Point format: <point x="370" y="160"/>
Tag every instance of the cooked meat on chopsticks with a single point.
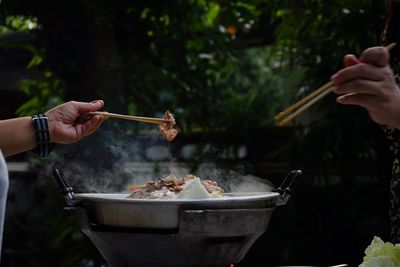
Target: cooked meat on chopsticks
<point x="166" y="128"/>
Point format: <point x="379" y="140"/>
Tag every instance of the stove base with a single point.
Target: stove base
<point x="205" y="238"/>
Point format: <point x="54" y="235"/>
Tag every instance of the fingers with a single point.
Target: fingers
<point x="359" y="86"/>
<point x="350" y="60"/>
<point x="91" y="125"/>
<point x="84" y="107"/>
<point x="368" y="66"/>
<point x="363" y="100"/>
<point x="377" y="56"/>
<point x="358" y="71"/>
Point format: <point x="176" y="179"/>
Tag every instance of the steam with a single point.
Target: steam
<point x="109" y="163"/>
<point x="234" y="181"/>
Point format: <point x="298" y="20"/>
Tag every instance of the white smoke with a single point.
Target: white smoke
<point x="108" y="163"/>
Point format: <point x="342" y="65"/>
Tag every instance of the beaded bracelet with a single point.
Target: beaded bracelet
<point x="44" y="146"/>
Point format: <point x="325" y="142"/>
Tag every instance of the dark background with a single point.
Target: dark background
<point x="224" y="68"/>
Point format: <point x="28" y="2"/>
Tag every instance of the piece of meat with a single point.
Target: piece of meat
<point x="166" y="128"/>
<point x="212" y="186"/>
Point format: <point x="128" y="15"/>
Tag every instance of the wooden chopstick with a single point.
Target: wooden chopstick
<point x="307" y="105"/>
<point x="131" y="118"/>
<point x="303" y="100"/>
<point x="390" y="46"/>
<point x="312" y="98"/>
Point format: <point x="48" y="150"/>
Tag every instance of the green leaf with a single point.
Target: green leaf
<point x="212" y="14"/>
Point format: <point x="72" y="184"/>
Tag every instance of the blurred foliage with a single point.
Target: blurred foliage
<point x="183" y="53"/>
<point x="10" y="24"/>
<point x="170" y="56"/>
<point x="189" y="60"/>
<point x="46" y="93"/>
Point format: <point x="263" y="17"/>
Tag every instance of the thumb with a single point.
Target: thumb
<point x="377" y="56"/>
<point x="84" y="107"/>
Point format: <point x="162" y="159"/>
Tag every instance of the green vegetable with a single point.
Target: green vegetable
<point x="381" y="254"/>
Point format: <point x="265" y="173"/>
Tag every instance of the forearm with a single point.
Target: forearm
<point x="64" y="125"/>
<point x="17" y="135"/>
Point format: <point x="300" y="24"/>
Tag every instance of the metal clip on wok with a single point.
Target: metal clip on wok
<point x="67" y="191"/>
<point x="286" y="188"/>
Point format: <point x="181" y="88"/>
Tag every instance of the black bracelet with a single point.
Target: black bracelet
<point x="44" y="146"/>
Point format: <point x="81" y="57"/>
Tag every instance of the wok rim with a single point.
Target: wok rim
<point x="228" y="198"/>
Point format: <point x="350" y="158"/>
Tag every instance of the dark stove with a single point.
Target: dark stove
<point x="204" y="238"/>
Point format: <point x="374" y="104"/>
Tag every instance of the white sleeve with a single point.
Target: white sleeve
<point x="3" y="195"/>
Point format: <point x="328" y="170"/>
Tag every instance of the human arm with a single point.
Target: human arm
<point x="66" y="125"/>
<point x="369" y="82"/>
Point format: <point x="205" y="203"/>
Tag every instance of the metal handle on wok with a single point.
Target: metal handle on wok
<point x="286" y="188"/>
<point x="67" y="191"/>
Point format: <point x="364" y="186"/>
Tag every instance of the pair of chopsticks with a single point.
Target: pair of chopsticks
<point x="304" y="103"/>
<point x="131" y="118"/>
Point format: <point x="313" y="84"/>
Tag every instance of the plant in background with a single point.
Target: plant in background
<point x="12" y="24"/>
<point x="190" y="51"/>
<point x="45" y="93"/>
<point x="45" y="90"/>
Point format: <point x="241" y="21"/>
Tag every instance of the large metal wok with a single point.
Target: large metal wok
<point x="174" y="233"/>
<point x="119" y="210"/>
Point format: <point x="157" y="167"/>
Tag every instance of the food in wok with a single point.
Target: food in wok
<point x="170" y="187"/>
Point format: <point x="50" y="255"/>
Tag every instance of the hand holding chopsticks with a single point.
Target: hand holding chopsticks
<point x="299" y="107"/>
